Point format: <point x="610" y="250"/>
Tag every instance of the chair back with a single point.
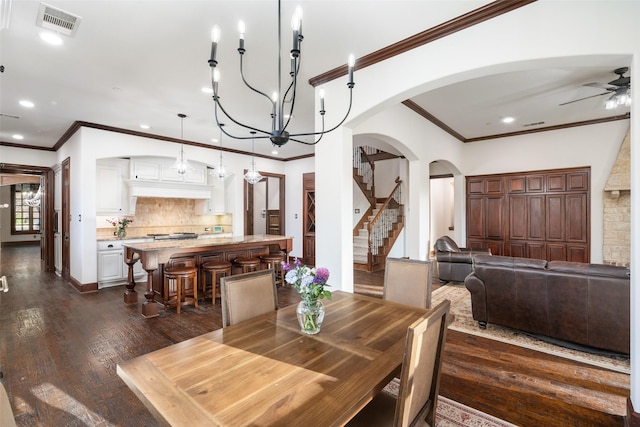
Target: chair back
<point x="420" y="376"/>
<point x="408" y="281"/>
<point x="247" y="295"/>
<point x="446" y="244"/>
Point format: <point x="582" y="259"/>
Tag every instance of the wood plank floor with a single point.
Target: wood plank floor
<point x="59" y="350"/>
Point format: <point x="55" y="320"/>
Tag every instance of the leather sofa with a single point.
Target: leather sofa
<point x="586" y="304"/>
<point x="454" y="263"/>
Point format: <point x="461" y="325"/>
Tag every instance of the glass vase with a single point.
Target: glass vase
<point x="121" y="232"/>
<point x="310" y="316"/>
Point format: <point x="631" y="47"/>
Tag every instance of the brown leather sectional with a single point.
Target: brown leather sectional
<point x="454" y="263"/>
<point x="587" y="304"/>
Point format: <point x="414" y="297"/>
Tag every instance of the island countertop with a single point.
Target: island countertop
<point x="179" y="244"/>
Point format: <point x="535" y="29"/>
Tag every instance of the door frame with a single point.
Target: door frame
<point x="46" y="211"/>
<point x="248" y="202"/>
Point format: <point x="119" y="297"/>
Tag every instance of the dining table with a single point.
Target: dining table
<point x="265" y="371"/>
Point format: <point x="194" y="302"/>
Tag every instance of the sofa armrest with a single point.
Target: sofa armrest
<point x="455" y="257"/>
<point x="478" y="297"/>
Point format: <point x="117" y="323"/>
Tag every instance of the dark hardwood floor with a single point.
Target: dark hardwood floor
<point x="59" y="350"/>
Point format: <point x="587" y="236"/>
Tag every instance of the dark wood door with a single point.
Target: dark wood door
<point x="66" y="217"/>
<point x="309" y="218"/>
<point x="540" y="214"/>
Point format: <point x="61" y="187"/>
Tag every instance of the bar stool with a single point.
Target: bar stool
<point x="273" y="262"/>
<point x="216" y="269"/>
<point x="180" y="275"/>
<point x="247" y="264"/>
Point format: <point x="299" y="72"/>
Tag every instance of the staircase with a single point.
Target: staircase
<point x="381" y="225"/>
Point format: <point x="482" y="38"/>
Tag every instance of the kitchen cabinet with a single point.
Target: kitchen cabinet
<point x="111" y="193"/>
<point x="145" y="170"/>
<point x="216" y="204"/>
<point x="112" y="270"/>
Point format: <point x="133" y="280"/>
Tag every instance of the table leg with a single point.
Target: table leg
<point x="131" y="295"/>
<point x="150" y="306"/>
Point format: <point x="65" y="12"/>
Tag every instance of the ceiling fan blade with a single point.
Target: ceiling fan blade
<point x="576" y="100"/>
<point x="602" y="86"/>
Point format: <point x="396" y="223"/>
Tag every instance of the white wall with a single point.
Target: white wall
<point x="442" y="209"/>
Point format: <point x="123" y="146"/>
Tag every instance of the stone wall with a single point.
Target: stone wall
<point x="617" y="209"/>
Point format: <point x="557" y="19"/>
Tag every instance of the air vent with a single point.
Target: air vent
<point x="532" y="124"/>
<point x="9" y="116"/>
<point x="58" y="20"/>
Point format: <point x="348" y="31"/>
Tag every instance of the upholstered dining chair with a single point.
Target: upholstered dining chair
<point x="408" y="281"/>
<point x="419" y="379"/>
<point x="247" y="295"/>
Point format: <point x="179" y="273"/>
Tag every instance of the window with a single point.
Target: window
<point x="25" y="219"/>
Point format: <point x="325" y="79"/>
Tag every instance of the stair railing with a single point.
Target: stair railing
<point x="365" y="167"/>
<point x="381" y="225"/>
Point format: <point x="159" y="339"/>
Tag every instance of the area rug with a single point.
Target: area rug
<point x="460" y="299"/>
<point x="450" y="413"/>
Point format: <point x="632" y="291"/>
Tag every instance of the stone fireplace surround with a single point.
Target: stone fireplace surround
<point x="617" y="209"/>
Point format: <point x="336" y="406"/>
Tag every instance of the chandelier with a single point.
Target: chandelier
<point x="181" y="164"/>
<point x="253" y="176"/>
<point x="222" y="172"/>
<point x="34" y="200"/>
<point x="281" y="104"/>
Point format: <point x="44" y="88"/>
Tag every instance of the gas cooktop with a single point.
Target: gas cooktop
<point x="178" y="235"/>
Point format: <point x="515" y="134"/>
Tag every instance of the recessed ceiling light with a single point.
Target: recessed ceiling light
<point x="508" y="119"/>
<point x="51" y="38"/>
<point x="18" y="137"/>
<point x="207" y="90"/>
<point x="214" y="139"/>
<point x="274" y="152"/>
<point x="27" y="104"/>
<point x="144" y="126"/>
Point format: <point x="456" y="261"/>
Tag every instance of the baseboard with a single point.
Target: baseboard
<point x="83" y="288"/>
<point x="23" y="243"/>
<point x="633" y="418"/>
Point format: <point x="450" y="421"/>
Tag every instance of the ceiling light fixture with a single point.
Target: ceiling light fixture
<point x="222" y="172"/>
<point x="252" y="176"/>
<point x="27" y="104"/>
<point x="181" y="163"/>
<point x="51" y="38"/>
<point x="278" y="133"/>
<point x="620" y="98"/>
<point x="508" y="119"/>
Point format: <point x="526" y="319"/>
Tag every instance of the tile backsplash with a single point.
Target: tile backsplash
<point x="163" y="215"/>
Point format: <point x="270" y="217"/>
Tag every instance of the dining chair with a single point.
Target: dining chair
<point x="408" y="281"/>
<point x="247" y="295"/>
<point x="419" y="378"/>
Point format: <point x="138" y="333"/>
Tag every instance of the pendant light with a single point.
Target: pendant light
<point x="181" y="164"/>
<point x="222" y="172"/>
<point x="252" y="176"/>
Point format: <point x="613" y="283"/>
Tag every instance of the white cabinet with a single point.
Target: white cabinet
<point x="111" y="192"/>
<point x="112" y="270"/>
<point x="197" y="174"/>
<point x="145" y="170"/>
<point x="216" y="204"/>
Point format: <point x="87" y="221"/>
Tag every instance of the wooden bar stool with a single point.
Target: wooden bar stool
<point x="179" y="276"/>
<point x="216" y="269"/>
<point x="273" y="262"/>
<point x="247" y="264"/>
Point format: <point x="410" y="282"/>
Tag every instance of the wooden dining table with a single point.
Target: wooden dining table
<point x="266" y="372"/>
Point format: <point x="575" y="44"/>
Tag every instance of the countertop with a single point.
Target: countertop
<point x="146" y="238"/>
<point x="195" y="243"/>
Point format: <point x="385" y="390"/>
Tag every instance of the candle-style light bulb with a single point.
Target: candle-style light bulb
<point x="241" y="29"/>
<point x="321" y="94"/>
<point x="295" y="26"/>
<point x="215" y="38"/>
<point x="274" y="96"/>
<point x="351" y="63"/>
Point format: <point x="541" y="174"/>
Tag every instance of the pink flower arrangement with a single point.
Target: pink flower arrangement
<point x="309" y="282"/>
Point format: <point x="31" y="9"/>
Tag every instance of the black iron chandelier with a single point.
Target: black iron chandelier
<point x="282" y="104"/>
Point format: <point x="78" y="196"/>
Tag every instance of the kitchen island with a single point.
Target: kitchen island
<point x="154" y="255"/>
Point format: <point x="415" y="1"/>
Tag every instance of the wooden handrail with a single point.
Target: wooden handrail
<point x="384" y="205"/>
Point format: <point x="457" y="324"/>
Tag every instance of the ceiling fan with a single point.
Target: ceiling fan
<point x="618" y="88"/>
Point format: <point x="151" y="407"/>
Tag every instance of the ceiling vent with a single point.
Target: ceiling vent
<point x="58" y="20"/>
